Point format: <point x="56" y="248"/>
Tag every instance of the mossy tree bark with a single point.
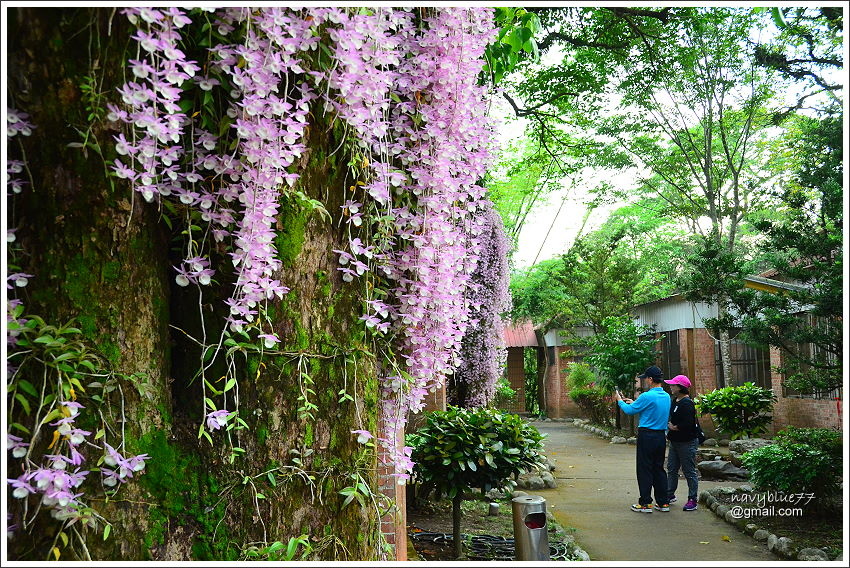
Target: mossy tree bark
<point x="102" y="255"/>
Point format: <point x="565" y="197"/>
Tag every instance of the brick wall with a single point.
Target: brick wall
<point x="516" y="378"/>
<point x="698" y="363"/>
<point x="801" y="412"/>
<point x="558" y="401"/>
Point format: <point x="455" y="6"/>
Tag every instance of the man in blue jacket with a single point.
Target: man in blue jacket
<point x="653" y="405"/>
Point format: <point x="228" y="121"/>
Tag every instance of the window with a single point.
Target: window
<point x="749" y="364"/>
<point x="671" y="355"/>
<point x="814" y="352"/>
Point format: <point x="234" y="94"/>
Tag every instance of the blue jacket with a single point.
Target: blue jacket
<point x="653" y="406"/>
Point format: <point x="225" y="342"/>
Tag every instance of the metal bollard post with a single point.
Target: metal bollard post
<point x="531" y="540"/>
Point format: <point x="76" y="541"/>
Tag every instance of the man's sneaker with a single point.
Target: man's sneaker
<point x="641" y="508"/>
<point x="665" y="507"/>
<point x="691" y="505"/>
<point x="672" y="499"/>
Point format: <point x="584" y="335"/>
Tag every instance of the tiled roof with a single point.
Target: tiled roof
<point x="520" y="335"/>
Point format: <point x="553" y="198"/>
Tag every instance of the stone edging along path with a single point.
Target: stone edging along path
<point x="782" y="546"/>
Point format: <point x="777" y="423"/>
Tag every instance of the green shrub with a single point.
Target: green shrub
<point x="803" y="460"/>
<point x="822" y="439"/>
<point x="593" y="400"/>
<point x="738" y="411"/>
<point x="505" y="395"/>
<point x="580" y="375"/>
<point x="482" y="448"/>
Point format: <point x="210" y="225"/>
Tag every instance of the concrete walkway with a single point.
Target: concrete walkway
<point x="597" y="485"/>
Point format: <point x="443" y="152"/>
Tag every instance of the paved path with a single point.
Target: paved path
<point x="596" y="486"/>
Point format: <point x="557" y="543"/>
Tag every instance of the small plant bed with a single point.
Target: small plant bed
<point x="805" y="526"/>
<point x="488" y="537"/>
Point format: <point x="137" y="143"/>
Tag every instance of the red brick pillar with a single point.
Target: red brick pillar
<point x="394" y="523"/>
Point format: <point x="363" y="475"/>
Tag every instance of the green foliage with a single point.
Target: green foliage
<point x="620" y="351"/>
<point x="515" y="40"/>
<point x="594" y="400"/>
<point x="473" y="448"/>
<point x="803" y="242"/>
<point x="627" y="261"/>
<point x="807" y="460"/>
<point x="297" y="548"/>
<point x="504" y="393"/>
<point x="742" y="411"/>
<point x="821" y="439"/>
<point x="530" y="364"/>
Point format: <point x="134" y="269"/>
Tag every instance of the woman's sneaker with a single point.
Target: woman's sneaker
<point x="691" y="505"/>
<point x="672" y="499"/>
<point x="642" y="508"/>
<point x="664" y="507"/>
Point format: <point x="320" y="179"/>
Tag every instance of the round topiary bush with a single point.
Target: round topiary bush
<point x="480" y="448"/>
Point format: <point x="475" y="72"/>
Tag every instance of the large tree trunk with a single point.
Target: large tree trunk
<point x="101" y="255"/>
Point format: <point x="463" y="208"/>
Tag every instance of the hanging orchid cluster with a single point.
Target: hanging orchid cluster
<point x="483" y="356"/>
<point x="405" y="83"/>
<point x="410" y="94"/>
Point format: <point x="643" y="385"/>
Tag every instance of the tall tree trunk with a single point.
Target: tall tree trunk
<point x="101" y="255"/>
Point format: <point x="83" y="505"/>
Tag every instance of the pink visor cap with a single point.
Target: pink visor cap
<point x="680" y="380"/>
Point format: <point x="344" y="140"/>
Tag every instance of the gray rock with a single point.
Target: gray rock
<point x="581" y="555"/>
<point x="780" y="545"/>
<point x="772" y="539"/>
<point x="747" y="444"/>
<point x="516" y="494"/>
<point x="783" y="546"/>
<point x="618" y="440"/>
<point x="535" y="482"/>
<point x="721" y="511"/>
<point x="704" y="495"/>
<point x="632" y="440"/>
<point x="812" y="554"/>
<point x="751" y="528"/>
<point x="730" y="517"/>
<point x="724" y="442"/>
<point x="710" y="442"/>
<point x="761" y="534"/>
<point x="495" y="494"/>
<point x="549" y="480"/>
<point x="721" y="469"/>
<point x="522" y="483"/>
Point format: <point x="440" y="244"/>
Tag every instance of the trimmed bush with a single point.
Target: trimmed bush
<point x="742" y="411"/>
<point x="803" y="460"/>
<point x="481" y="448"/>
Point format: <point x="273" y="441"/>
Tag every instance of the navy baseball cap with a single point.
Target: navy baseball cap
<point x="651" y="372"/>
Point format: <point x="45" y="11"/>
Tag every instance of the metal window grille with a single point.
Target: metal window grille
<point x="749" y="364"/>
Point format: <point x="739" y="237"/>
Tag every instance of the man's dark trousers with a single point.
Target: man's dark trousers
<point x="651" y="445"/>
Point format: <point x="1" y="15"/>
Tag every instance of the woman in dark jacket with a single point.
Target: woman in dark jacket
<point x="683" y="437"/>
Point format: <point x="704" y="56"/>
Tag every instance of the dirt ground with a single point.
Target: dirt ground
<point x="427" y="517"/>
